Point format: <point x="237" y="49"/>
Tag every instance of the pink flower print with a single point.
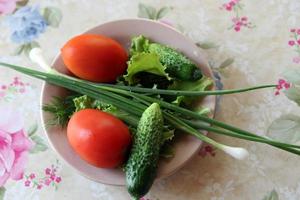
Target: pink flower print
<point x="32" y="176"/>
<point x="232" y="3"/>
<point x="48" y="182"/>
<point x="16" y="82"/>
<point x="280" y="82"/>
<point x="39" y="186"/>
<point x="238" y="22"/>
<point x="281" y="85"/>
<point x="228" y="7"/>
<point x="235" y="20"/>
<point x="287" y="85"/>
<point x="292" y="42"/>
<point x="47" y="171"/>
<point x="7" y="6"/>
<point x="48" y="178"/>
<point x="295" y="43"/>
<point x="241" y="22"/>
<point x="14" y="145"/>
<point x="237" y="28"/>
<point x="52" y="177"/>
<point x="58" y="179"/>
<point x="244" y="18"/>
<point x="27" y="183"/>
<point x="16" y="86"/>
<point x="296" y="59"/>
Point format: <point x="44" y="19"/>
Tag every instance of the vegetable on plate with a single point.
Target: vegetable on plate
<point x="95" y="58"/>
<point x="141" y="167"/>
<point x="99" y="138"/>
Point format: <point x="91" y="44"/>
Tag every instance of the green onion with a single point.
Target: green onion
<point x="36" y="56"/>
<point x="123" y="103"/>
<point x="134" y="101"/>
<point x="181" y="92"/>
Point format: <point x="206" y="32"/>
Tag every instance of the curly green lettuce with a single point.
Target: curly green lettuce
<point x="200" y="85"/>
<point x="144" y="62"/>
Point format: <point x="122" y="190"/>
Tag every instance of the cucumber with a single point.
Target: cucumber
<point x="177" y="65"/>
<point x="141" y="167"/>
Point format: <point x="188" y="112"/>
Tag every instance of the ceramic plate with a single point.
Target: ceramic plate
<point x="123" y="30"/>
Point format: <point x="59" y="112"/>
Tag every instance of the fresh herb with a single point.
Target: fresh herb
<point x="61" y="108"/>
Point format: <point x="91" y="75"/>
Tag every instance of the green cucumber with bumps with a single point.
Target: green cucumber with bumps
<point x="141" y="167"/>
<point x="177" y="65"/>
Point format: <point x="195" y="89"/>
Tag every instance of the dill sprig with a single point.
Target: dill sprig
<point x="61" y="109"/>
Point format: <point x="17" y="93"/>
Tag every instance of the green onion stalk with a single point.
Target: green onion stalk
<point x="123" y="96"/>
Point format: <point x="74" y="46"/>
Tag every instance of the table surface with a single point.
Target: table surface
<point x="246" y="43"/>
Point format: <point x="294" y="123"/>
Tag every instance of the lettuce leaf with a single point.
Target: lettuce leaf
<point x="144" y="62"/>
<point x="167" y="150"/>
<point x="139" y="44"/>
<point x="84" y="102"/>
<point x="200" y="85"/>
<point x="168" y="135"/>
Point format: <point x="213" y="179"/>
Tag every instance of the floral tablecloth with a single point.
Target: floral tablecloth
<point x="246" y="43"/>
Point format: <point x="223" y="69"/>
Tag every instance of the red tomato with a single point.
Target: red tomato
<point x="94" y="57"/>
<point x="98" y="138"/>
